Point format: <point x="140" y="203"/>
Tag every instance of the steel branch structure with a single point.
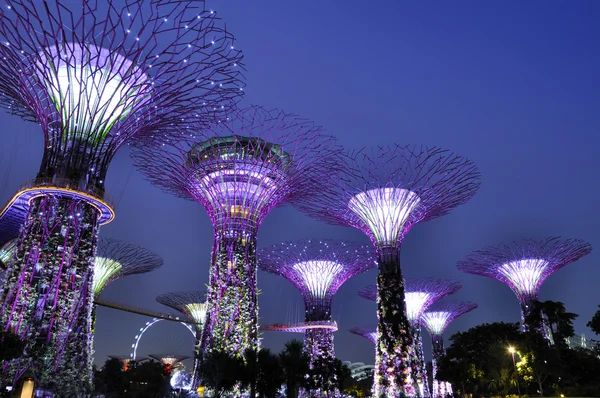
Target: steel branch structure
<point x="384" y="192"/>
<point x="368" y="332"/>
<point x="318" y="268"/>
<point x="436" y="321"/>
<point x="420" y="294"/>
<point x="239" y="170"/>
<point x="94" y="77"/>
<point x="525" y="265"/>
<point x="193" y="305"/>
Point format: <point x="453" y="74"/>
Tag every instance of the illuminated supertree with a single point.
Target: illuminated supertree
<point x="436" y="321"/>
<point x="368" y="332"/>
<point x="525" y="265"/>
<point x="384" y="192"/>
<point x="169" y="361"/>
<point x="239" y="170"/>
<point x="420" y="294"/>
<point x="93" y="76"/>
<point x="192" y="304"/>
<point x="318" y="268"/>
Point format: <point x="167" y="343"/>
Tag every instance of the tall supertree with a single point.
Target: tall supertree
<point x="93" y="76"/>
<point x="436" y="321"/>
<point x="193" y="305"/>
<point x="384" y="192"/>
<point x="239" y="170"/>
<point x="114" y="259"/>
<point x="318" y="268"/>
<point x="368" y="332"/>
<point x="525" y="265"/>
<point x="420" y="294"/>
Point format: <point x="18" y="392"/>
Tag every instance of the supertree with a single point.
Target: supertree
<point x="193" y="305"/>
<point x="436" y="321"/>
<point x="239" y="170"/>
<point x="420" y="294"/>
<point x="114" y="259"/>
<point x="318" y="268"/>
<point x="169" y="360"/>
<point x="94" y="77"/>
<point x="525" y="265"/>
<point x="384" y="192"/>
<point x="368" y="332"/>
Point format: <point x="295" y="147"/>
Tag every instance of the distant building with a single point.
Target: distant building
<point x="359" y="371"/>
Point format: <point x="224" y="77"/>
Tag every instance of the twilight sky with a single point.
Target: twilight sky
<point x="513" y="86"/>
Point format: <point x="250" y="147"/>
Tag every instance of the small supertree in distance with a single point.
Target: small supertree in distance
<point x="420" y="294"/>
<point x="94" y="75"/>
<point x="318" y="268"/>
<point x="170" y="361"/>
<point x="436" y="320"/>
<point x="384" y="192"/>
<point x="368" y="332"/>
<point x="193" y="305"/>
<point x="239" y="170"/>
<point x="525" y="265"/>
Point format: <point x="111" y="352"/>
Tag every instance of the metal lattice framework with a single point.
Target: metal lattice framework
<point x="368" y="332"/>
<point x="93" y="76"/>
<point x="436" y="321"/>
<point x="525" y="265"/>
<point x="384" y="192"/>
<point x="318" y="268"/>
<point x="239" y="170"/>
<point x="192" y="304"/>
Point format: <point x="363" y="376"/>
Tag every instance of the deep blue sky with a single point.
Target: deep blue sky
<point x="512" y="85"/>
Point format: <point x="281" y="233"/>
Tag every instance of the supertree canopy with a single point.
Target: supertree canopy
<point x="420" y="294"/>
<point x="192" y="304"/>
<point x="318" y="268"/>
<point x="436" y="321"/>
<point x="384" y="192"/>
<point x="93" y="76"/>
<point x="525" y="265"/>
<point x="239" y="170"/>
<point x="368" y="332"/>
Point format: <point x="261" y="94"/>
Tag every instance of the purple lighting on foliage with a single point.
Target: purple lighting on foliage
<point x="436" y="321"/>
<point x="525" y="265"/>
<point x="384" y="192"/>
<point x="94" y="78"/>
<point x="239" y="169"/>
<point x="368" y="332"/>
<point x="318" y="268"/>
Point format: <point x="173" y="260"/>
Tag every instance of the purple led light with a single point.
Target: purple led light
<point x="368" y="332"/>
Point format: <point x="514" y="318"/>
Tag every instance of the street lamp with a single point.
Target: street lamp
<point x="512" y="353"/>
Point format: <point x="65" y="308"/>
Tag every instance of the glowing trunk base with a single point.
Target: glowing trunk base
<point x="323" y="380"/>
<point x="232" y="315"/>
<point x="51" y="267"/>
<point x="393" y="348"/>
<point x="419" y="375"/>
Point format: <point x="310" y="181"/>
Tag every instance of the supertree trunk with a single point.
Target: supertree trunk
<point x="419" y="375"/>
<point x="46" y="278"/>
<point x="232" y="315"/>
<point x="323" y="379"/>
<point x="437" y="343"/>
<point x="393" y="351"/>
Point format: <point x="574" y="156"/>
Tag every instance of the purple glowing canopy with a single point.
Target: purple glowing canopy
<point x="437" y="319"/>
<point x="384" y="191"/>
<point x="420" y="294"/>
<point x="525" y="265"/>
<point x="368" y="332"/>
<point x="317" y="267"/>
<point x="243" y="166"/>
<point x="189" y="303"/>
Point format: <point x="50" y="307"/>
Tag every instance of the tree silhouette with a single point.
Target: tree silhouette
<point x="295" y="364"/>
<point x="221" y="372"/>
<point x="594" y="323"/>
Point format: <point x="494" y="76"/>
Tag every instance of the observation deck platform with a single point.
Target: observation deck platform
<point x="301" y="327"/>
<point x="14" y="212"/>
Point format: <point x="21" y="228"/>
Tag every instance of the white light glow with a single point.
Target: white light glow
<point x="7" y="251"/>
<point x="104" y="270"/>
<point x="525" y="275"/>
<point x="385" y="211"/>
<point x="91" y="87"/>
<point x="436" y="321"/>
<point x="318" y="275"/>
<point x="415" y="304"/>
<point x="197" y="311"/>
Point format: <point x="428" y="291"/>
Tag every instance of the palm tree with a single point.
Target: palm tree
<point x="270" y="374"/>
<point x="295" y="364"/>
<point x="251" y="368"/>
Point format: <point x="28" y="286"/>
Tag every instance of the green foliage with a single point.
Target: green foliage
<point x="295" y="364"/>
<point x="147" y="379"/>
<point x="270" y="374"/>
<point x="221" y="371"/>
<point x="594" y="323"/>
<point x="10" y="346"/>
